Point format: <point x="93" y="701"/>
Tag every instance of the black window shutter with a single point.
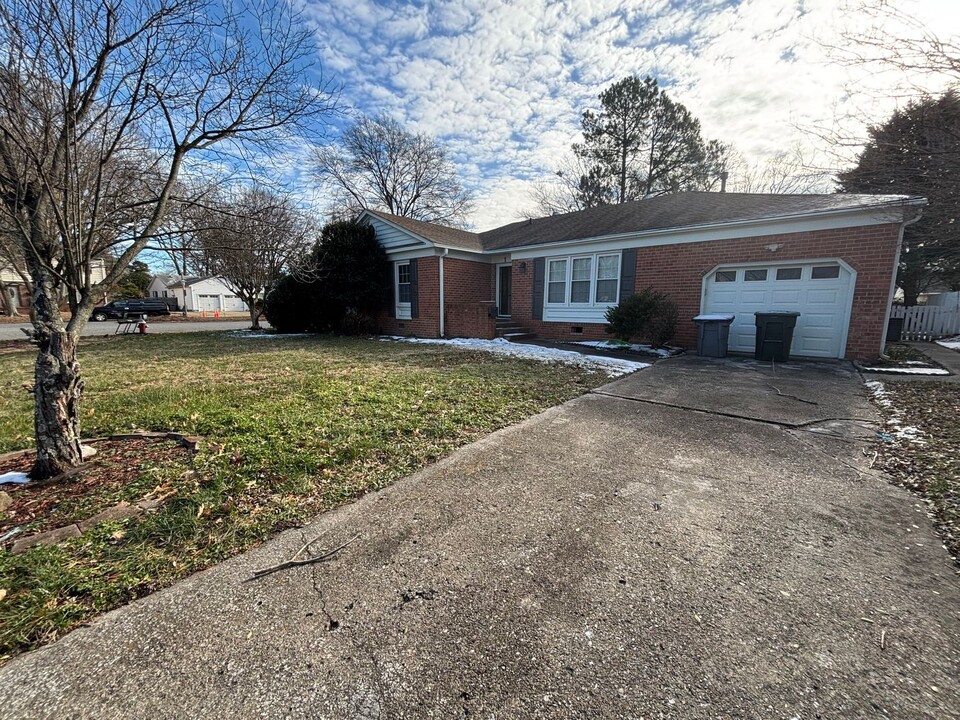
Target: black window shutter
<point x="392" y="304"/>
<point x="539" y="270"/>
<point x="628" y="273"/>
<point x="414" y="291"/>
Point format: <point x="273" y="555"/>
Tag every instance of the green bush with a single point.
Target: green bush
<point x="647" y="317"/>
<point x="288" y="306"/>
<point x="340" y="287"/>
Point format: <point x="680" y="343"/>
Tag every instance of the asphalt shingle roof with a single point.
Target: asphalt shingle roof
<point x="663" y="212"/>
<point x="440" y="234"/>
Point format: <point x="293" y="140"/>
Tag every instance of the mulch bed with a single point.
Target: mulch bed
<point x="115" y="465"/>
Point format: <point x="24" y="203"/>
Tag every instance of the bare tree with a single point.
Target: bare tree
<point x="887" y="34"/>
<point x="564" y="191"/>
<point x="380" y="165"/>
<point x="250" y="241"/>
<point x="788" y="172"/>
<point x="102" y="105"/>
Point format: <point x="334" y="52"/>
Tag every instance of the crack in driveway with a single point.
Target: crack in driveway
<point x="735" y="416"/>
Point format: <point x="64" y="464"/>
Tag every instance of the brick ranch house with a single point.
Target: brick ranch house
<point x="833" y="258"/>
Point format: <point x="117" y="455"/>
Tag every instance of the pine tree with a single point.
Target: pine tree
<point x="917" y="152"/>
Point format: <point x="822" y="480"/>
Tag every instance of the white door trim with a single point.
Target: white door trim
<point x="848" y="304"/>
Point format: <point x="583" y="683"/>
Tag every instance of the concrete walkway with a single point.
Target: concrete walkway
<point x="945" y="357"/>
<point x="950" y="359"/>
<point x="632" y="553"/>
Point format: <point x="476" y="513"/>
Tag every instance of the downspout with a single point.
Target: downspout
<point x="442" y="313"/>
<point x="893" y="283"/>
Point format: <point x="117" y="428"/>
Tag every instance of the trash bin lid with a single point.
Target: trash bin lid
<point x="715" y="318"/>
<point x="779" y="314"/>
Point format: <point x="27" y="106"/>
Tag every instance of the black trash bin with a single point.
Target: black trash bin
<point x="895" y="329"/>
<point x="775" y="335"/>
<point x="713" y="333"/>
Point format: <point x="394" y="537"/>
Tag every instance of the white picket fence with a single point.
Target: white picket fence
<point x="927" y="322"/>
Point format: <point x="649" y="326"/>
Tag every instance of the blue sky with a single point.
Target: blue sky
<point x="502" y="84"/>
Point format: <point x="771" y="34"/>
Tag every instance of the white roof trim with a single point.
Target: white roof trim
<point x="410" y="234"/>
<point x="893" y="212"/>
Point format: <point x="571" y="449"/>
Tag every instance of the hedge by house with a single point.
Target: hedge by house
<point x="339" y="287"/>
<point x="647" y="317"/>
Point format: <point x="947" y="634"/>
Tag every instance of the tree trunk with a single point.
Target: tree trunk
<point x="254" y="316"/>
<point x="9" y="306"/>
<point x="57" y="389"/>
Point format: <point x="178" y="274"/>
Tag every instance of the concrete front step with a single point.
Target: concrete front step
<point x="517" y="336"/>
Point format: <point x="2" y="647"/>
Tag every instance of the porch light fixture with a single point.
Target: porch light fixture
<point x="523" y="267"/>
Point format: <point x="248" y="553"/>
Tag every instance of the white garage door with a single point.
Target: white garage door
<point x="208" y="302"/>
<point x="233" y="304"/>
<point x="821" y="292"/>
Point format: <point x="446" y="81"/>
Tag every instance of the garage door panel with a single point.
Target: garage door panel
<point x="823" y="305"/>
<point x="756" y="297"/>
<point x="785" y="297"/>
<point x="813" y="346"/>
<point x="742" y="340"/>
<point x="828" y="296"/>
<point x="727" y="296"/>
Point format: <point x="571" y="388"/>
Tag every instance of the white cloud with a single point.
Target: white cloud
<point x="502" y="84"/>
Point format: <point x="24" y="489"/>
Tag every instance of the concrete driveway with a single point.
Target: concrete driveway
<point x="639" y="552"/>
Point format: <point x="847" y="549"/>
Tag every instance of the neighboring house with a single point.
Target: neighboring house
<point x="209" y="294"/>
<point x="946" y="299"/>
<point x="830" y="257"/>
<point x="158" y="286"/>
<point x="17" y="289"/>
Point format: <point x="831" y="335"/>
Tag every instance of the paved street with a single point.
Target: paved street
<point x="703" y="539"/>
<point x="13" y="332"/>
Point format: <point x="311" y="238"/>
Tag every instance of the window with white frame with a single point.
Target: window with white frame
<point x="403" y="282"/>
<point x="404" y="290"/>
<point x="583" y="280"/>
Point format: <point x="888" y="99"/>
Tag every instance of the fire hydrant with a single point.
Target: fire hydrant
<point x="142" y="326"/>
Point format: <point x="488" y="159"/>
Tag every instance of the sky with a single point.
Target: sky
<point x="502" y="84"/>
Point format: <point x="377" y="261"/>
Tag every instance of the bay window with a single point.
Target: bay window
<point x="583" y="281"/>
<point x="557" y="282"/>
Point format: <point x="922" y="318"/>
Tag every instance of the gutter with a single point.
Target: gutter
<point x="893" y="279"/>
<point x="898" y="204"/>
<point x="714" y="226"/>
<point x="442" y="309"/>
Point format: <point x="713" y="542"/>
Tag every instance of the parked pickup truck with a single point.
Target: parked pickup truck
<point x="123" y="309"/>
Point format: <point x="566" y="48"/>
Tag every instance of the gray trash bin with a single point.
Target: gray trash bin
<point x="713" y="333"/>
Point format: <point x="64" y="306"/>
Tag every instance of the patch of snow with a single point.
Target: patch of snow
<point x="895" y="424"/>
<point x="612" y="367"/>
<point x="713" y="317"/>
<point x="908" y="370"/>
<point x="17" y="478"/>
<point x="664" y="352"/>
<point x="952" y="342"/>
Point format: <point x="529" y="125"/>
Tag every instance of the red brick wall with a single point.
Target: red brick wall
<point x="428" y="323"/>
<point x="468" y="290"/>
<point x="468" y="297"/>
<point x="678" y="271"/>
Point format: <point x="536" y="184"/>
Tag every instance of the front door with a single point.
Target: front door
<point x="504" y="289"/>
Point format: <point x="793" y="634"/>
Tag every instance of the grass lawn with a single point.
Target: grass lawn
<point x="302" y="425"/>
<point x="930" y="468"/>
